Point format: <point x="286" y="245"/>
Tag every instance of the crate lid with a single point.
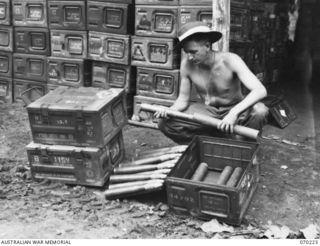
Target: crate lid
<point x="87" y="99"/>
<point x="60" y="148"/>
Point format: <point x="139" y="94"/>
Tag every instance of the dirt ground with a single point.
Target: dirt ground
<point x="288" y="193"/>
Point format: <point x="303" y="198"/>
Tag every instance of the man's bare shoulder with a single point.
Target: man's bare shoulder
<point x="227" y="56"/>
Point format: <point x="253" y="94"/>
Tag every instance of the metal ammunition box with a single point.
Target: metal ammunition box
<point x="110" y="17"/>
<point x="67" y="43"/>
<point x="158" y="83"/>
<point x="6" y="38"/>
<point x="206" y="199"/>
<point x="109" y="47"/>
<point x="147" y="117"/>
<point x="68" y="72"/>
<point x="67" y="14"/>
<point x="5" y="90"/>
<point x="30" y="67"/>
<point x="195" y="13"/>
<point x="5" y="12"/>
<point x="156" y="21"/>
<point x="281" y="113"/>
<point x="155" y="52"/>
<point x="32" y="40"/>
<point x="83" y="116"/>
<point x="5" y="64"/>
<point x="76" y="165"/>
<point x="239" y="26"/>
<point x="28" y="90"/>
<point x="31" y="13"/>
<point x="158" y="2"/>
<point x="110" y="75"/>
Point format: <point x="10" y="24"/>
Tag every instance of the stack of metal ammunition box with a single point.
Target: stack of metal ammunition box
<point x="31" y="48"/>
<point x="68" y="64"/>
<point x="110" y="25"/>
<point x="154" y="52"/>
<point x="6" y="49"/>
<point x="77" y="135"/>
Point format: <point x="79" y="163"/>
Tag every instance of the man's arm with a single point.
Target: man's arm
<point x="251" y="82"/>
<point x="182" y="102"/>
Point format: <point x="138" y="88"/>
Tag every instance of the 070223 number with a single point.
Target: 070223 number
<point x="309" y="242"/>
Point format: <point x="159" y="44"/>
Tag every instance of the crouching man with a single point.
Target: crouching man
<point x="217" y="77"/>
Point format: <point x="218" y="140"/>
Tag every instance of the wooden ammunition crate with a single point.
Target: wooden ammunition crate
<point x="28" y="91"/>
<point x="5" y="12"/>
<point x="110" y="75"/>
<point x="83" y="116"/>
<point x="156" y="21"/>
<point x="206" y="199"/>
<point x="155" y="52"/>
<point x="32" y="40"/>
<point x="5" y="64"/>
<point x="110" y="17"/>
<point x="190" y="13"/>
<point x="67" y="43"/>
<point x="146" y="118"/>
<point x="158" y="2"/>
<point x="30" y="67"/>
<point x="31" y="13"/>
<point x="68" y="71"/>
<point x="5" y="90"/>
<point x="158" y="83"/>
<point x="6" y="38"/>
<point x="76" y="165"/>
<point x="67" y="14"/>
<point x="109" y="47"/>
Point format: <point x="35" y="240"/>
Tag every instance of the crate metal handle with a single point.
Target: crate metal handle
<point x="25" y="98"/>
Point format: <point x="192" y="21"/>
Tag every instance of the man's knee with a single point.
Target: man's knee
<point x="260" y="110"/>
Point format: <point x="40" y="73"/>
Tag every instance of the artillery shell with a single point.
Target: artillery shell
<point x="200" y="172"/>
<point x="224" y="176"/>
<point x="235" y="177"/>
<point x="134" y="183"/>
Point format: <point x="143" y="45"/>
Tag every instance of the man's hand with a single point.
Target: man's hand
<point x="161" y="113"/>
<point x="228" y="122"/>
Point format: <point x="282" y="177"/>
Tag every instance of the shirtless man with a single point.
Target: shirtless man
<point x="217" y="77"/>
